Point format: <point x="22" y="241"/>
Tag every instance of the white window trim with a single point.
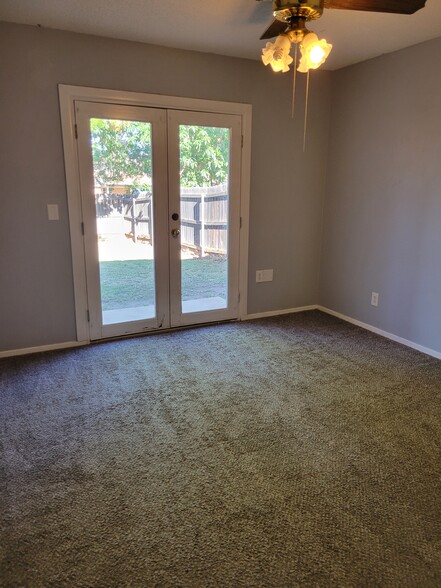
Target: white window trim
<point x="68" y="95"/>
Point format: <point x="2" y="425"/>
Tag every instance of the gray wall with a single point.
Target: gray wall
<point x="287" y="187"/>
<point x="382" y="212"/>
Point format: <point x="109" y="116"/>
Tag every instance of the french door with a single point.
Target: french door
<point x="160" y="199"/>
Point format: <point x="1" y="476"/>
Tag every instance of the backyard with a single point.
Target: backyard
<point x="125" y="204"/>
<point x="130" y="283"/>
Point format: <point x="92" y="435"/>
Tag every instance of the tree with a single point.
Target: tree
<point x="122" y="150"/>
<point x="204" y="155"/>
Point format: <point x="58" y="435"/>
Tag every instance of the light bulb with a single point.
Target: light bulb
<point x="276" y="66"/>
<point x="314" y="52"/>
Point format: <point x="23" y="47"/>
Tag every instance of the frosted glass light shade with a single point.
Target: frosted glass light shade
<point x="314" y="52"/>
<point x="277" y="54"/>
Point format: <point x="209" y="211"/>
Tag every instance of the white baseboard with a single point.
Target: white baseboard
<point x="377" y="331"/>
<point x="348" y="319"/>
<point x="41" y="348"/>
<point x="278" y="312"/>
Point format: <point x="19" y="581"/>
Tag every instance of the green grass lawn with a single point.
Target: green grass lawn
<point x="129" y="284"/>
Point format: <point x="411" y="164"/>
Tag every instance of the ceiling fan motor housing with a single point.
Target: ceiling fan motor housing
<point x="286" y="10"/>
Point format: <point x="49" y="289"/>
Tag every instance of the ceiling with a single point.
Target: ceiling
<point x="225" y="27"/>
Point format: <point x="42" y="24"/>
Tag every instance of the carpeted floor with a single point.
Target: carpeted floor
<point x="289" y="451"/>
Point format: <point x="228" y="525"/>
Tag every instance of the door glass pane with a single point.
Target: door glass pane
<point x="122" y="169"/>
<point x="204" y="173"/>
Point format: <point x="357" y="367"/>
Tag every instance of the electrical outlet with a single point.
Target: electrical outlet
<point x="264" y="275"/>
<point x="268" y="275"/>
<point x="52" y="212"/>
<point x="374" y="298"/>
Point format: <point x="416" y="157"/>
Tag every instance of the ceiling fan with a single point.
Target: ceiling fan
<point x="289" y="26"/>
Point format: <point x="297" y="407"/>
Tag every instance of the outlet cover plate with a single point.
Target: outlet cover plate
<point x="53" y="213"/>
<point x="264" y="275"/>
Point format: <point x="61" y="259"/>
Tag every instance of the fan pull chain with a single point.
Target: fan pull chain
<point x="306" y="111"/>
<point x="294" y="81"/>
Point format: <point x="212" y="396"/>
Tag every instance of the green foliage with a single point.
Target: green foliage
<point x="204" y="155"/>
<point x="122" y="150"/>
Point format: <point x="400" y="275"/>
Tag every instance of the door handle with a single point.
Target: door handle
<point x="175" y="233"/>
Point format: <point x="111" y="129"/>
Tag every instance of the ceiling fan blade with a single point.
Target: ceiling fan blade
<point x="274" y="30"/>
<point x="393" y="6"/>
<point x="260" y="13"/>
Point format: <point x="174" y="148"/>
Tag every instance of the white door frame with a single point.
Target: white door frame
<point x="68" y="95"/>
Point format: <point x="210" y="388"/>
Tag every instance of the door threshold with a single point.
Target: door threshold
<point x="162" y="331"/>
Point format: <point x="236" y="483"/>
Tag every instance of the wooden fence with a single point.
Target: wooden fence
<point x="138" y="211"/>
<point x="204" y="218"/>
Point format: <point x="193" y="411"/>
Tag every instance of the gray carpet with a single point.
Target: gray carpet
<point x="290" y="451"/>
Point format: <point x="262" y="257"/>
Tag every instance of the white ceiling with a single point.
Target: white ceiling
<point x="225" y="27"/>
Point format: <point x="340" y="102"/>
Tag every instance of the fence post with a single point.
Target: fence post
<point x="202" y="225"/>
<point x="149" y="223"/>
<point x="133" y="221"/>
